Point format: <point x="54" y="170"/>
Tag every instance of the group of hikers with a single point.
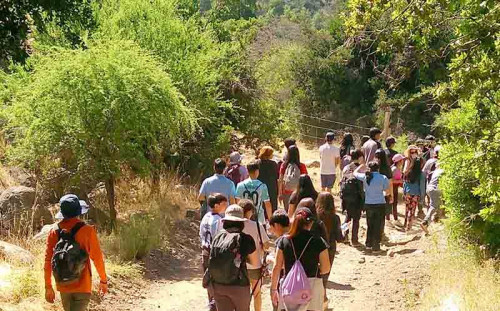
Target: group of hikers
<point x="268" y="213"/>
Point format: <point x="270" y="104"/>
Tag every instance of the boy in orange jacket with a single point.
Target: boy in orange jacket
<point x="75" y="295"/>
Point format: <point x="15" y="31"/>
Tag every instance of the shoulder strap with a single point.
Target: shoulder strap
<point x="260" y="235"/>
<point x="75" y="228"/>
<point x="293" y="248"/>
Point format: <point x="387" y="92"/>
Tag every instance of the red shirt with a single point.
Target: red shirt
<point x="303" y="170"/>
<point x="87" y="238"/>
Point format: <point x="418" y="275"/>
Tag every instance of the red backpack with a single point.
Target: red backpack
<point x="233" y="173"/>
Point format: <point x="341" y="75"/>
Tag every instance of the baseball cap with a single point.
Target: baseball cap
<point x="71" y="207"/>
<point x="398" y="157"/>
<point x="234" y="213"/>
<point x="235" y="158"/>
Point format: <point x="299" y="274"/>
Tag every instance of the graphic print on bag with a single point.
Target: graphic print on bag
<point x="295" y="288"/>
<point x="69" y="259"/>
<point x="226" y="265"/>
<point x="252" y="195"/>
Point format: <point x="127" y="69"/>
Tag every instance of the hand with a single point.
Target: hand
<point x="103" y="289"/>
<point x="274" y="297"/>
<point x="50" y="295"/>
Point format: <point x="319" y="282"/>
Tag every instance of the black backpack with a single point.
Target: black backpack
<point x="69" y="259"/>
<point x="226" y="265"/>
<point x="350" y="189"/>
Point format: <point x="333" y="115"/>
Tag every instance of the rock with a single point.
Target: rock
<point x="362" y="260"/>
<point x="21" y="176"/>
<point x="16" y="205"/>
<point x="391" y="253"/>
<point x="15" y="253"/>
<point x="313" y="163"/>
<point x="44" y="233"/>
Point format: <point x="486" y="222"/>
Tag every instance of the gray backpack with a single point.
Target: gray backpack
<point x="291" y="177"/>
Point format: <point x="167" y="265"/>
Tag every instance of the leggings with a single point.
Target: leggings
<point x="411" y="202"/>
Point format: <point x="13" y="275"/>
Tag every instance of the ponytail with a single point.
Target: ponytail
<point x="372" y="167"/>
<point x="300" y="222"/>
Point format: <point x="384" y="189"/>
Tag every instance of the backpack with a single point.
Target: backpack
<point x="295" y="288"/>
<point x="233" y="173"/>
<point x="291" y="177"/>
<point x="350" y="189"/>
<point x="69" y="259"/>
<point x="226" y="265"/>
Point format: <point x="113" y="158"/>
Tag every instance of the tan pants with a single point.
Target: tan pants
<point x="75" y="301"/>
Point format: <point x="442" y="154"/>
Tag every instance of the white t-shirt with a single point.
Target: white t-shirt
<point x="329" y="155"/>
<point x="251" y="229"/>
<point x="209" y="227"/>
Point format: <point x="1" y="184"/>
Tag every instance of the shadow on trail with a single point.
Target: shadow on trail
<point x="338" y="286"/>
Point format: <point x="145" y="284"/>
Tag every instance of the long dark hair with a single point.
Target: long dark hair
<point x="325" y="204"/>
<point x="300" y="221"/>
<point x="293" y="156"/>
<point x="372" y="168"/>
<point x="346" y="144"/>
<point x="306" y="188"/>
<point x="384" y="167"/>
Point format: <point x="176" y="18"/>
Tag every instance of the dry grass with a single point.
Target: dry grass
<point x="460" y="281"/>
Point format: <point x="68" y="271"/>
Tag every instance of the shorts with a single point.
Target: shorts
<point x="254" y="274"/>
<point x="327" y="181"/>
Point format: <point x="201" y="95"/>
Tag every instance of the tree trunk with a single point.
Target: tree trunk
<point x="110" y="191"/>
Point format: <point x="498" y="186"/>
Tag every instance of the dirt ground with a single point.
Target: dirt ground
<point x="359" y="281"/>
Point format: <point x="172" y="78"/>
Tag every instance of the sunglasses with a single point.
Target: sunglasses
<point x="413" y="152"/>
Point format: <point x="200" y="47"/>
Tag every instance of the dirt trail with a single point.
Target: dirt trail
<point x="359" y="281"/>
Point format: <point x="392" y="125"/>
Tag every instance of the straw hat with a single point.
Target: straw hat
<point x="409" y="149"/>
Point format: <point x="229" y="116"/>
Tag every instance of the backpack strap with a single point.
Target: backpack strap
<point x="303" y="251"/>
<point x="75" y="229"/>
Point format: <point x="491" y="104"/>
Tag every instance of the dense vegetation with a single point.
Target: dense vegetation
<point x="103" y="73"/>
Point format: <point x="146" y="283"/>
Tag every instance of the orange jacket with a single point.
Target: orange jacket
<point x="87" y="238"/>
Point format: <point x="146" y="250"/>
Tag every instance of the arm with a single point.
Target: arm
<point x="96" y="255"/>
<point x="324" y="262"/>
<point x="253" y="259"/>
<point x="269" y="209"/>
<point x="389" y="191"/>
<point x="408" y="167"/>
<point x="201" y="197"/>
<point x="278" y="266"/>
<point x="49" y="251"/>
<point x="291" y="210"/>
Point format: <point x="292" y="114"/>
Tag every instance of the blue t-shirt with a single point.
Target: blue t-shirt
<point x="374" y="192"/>
<point x="245" y="189"/>
<point x="218" y="184"/>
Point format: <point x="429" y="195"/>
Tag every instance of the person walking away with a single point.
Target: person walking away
<point x="329" y="161"/>
<point x="301" y="245"/>
<point x="269" y="174"/>
<point x="235" y="171"/>
<point x="346" y="147"/>
<point x="69" y="249"/>
<point x="352" y="195"/>
<point x="325" y="206"/>
<point x="210" y="225"/>
<point x="255" y="191"/>
<point x="390" y="142"/>
<point x="261" y="240"/>
<point x="304" y="190"/>
<point x="231" y="250"/>
<point x="412" y="172"/>
<point x="397" y="181"/>
<point x="318" y="228"/>
<point x="364" y="139"/>
<point x="385" y="169"/>
<point x="218" y="183"/>
<point x="434" y="193"/>
<point x="279" y="225"/>
<point x="372" y="145"/>
<point x="375" y="184"/>
<point x="422" y="145"/>
<point x="290" y="172"/>
<point x="288" y="143"/>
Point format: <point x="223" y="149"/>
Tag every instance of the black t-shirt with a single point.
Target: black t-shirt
<point x="247" y="245"/>
<point x="310" y="259"/>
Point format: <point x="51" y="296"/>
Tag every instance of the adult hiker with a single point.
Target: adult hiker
<point x="290" y="171"/>
<point x="430" y="165"/>
<point x="429" y="146"/>
<point x="269" y="174"/>
<point x="329" y="156"/>
<point x="372" y="145"/>
<point x="385" y="169"/>
<point x="390" y="143"/>
<point x="397" y="181"/>
<point x="235" y="171"/>
<point x="259" y="236"/>
<point x="412" y="172"/>
<point x="209" y="227"/>
<point x="434" y="193"/>
<point x="352" y="194"/>
<point x="218" y="183"/>
<point x="256" y="191"/>
<point x="231" y="250"/>
<point x="375" y="185"/>
<point x="346" y="147"/>
<point x="67" y="256"/>
<point x="304" y="190"/>
<point x="311" y="254"/>
<point x="325" y="206"/>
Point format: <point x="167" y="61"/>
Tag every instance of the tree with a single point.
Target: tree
<point x="97" y="111"/>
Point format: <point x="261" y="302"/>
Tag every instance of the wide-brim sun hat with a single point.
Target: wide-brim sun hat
<point x="234" y="213"/>
<point x="71" y="203"/>
<point x="398" y="157"/>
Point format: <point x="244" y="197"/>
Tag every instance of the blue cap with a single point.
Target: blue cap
<point x="71" y="207"/>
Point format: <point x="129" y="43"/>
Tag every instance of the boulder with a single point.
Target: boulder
<point x="44" y="232"/>
<point x="21" y="176"/>
<point x="15" y="253"/>
<point x="16" y="198"/>
<point x="311" y="164"/>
